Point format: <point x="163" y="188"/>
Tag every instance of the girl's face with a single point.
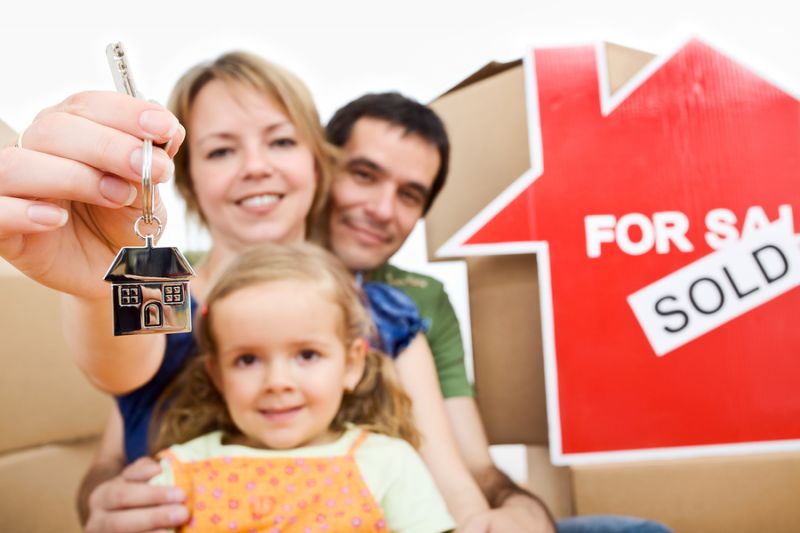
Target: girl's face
<point x="283" y="363"/>
<point x="253" y="176"/>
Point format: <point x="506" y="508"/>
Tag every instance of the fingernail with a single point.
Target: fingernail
<point x="116" y="190"/>
<point x="160" y="160"/>
<point x="47" y="215"/>
<point x="158" y="123"/>
<point x="176" y="495"/>
<point x="179" y="515"/>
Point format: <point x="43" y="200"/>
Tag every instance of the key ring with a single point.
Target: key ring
<point x="148" y="194"/>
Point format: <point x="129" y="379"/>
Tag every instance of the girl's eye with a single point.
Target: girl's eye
<point x="246" y="359"/>
<point x="283" y="142"/>
<point x="219" y="152"/>
<point x="308" y="355"/>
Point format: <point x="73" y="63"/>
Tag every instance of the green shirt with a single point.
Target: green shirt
<point x="444" y="335"/>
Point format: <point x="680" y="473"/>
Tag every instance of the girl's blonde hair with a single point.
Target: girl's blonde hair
<point x="288" y="92"/>
<point x="193" y="407"/>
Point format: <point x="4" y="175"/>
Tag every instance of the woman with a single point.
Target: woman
<point x="255" y="169"/>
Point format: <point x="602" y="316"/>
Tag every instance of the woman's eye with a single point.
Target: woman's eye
<point x="219" y="152"/>
<point x="284" y="142"/>
<point x="308" y="355"/>
<point x="246" y="359"/>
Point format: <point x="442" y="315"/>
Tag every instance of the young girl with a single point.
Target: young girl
<point x="312" y="419"/>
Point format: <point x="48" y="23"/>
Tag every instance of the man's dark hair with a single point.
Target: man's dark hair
<point x="399" y="110"/>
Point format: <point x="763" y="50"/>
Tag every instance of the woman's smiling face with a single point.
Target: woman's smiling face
<point x="253" y="176"/>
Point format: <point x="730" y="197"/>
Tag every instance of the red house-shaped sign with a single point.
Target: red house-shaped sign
<point x="663" y="217"/>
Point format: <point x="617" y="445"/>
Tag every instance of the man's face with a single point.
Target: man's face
<point x="379" y="192"/>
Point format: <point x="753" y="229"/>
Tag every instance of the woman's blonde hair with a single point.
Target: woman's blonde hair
<point x="193" y="407"/>
<point x="288" y="92"/>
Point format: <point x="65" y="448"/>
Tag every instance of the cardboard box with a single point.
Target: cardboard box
<point x="44" y="397"/>
<point x="50" y="416"/>
<point x="39" y="487"/>
<point x="751" y="493"/>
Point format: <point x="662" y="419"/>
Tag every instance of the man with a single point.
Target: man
<point x="395" y="160"/>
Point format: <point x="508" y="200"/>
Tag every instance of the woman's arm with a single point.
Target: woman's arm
<point x="417" y="373"/>
<point x="68" y="201"/>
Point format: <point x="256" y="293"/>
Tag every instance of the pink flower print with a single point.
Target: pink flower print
<point x="212" y="475"/>
<point x="260" y="470"/>
<point x="344" y="490"/>
<point x="289" y="470"/>
<point x="233" y="526"/>
<point x="299" y="461"/>
<point x="200" y="489"/>
<point x="287" y="507"/>
<point x="215" y="519"/>
<point x="356" y="521"/>
<point x="200" y="506"/>
<point x="216" y="493"/>
<point x="207" y="464"/>
<point x="380" y="524"/>
<point x="227" y="460"/>
<point x="336" y="469"/>
<point x="311" y="482"/>
<point x="279" y="519"/>
<point x="317" y="498"/>
<point x="339" y="514"/>
<point x="191" y="523"/>
<point x="366" y="508"/>
<point x="331" y="503"/>
<point x="321" y="518"/>
<point x="306" y="529"/>
<point x="328" y="481"/>
<point x="233" y="504"/>
<point x="274" y="482"/>
<point x="348" y="501"/>
<point x="233" y="478"/>
<point x="275" y="530"/>
<point x="302" y="504"/>
<point x="292" y="519"/>
<point x="251" y="485"/>
<point x="321" y="467"/>
<point x="364" y="493"/>
<point x="290" y="487"/>
<point x="324" y="527"/>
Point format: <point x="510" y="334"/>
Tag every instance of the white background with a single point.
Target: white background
<point x="343" y="49"/>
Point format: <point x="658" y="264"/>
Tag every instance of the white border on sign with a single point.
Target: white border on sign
<point x="455" y="247"/>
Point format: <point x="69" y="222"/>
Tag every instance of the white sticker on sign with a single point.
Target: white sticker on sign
<point x="718" y="287"/>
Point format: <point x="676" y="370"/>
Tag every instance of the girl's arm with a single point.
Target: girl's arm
<point x="417" y="373"/>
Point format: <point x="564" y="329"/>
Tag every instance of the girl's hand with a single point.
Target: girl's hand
<point x="70" y="195"/>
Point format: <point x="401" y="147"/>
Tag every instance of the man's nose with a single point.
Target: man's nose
<point x="382" y="204"/>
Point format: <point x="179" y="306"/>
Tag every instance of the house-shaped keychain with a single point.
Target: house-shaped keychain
<point x="150" y="288"/>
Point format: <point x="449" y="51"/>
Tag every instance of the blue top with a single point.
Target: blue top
<point x="394" y="313"/>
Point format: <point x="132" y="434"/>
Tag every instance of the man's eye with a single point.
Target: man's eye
<point x="219" y="153"/>
<point x="308" y="355"/>
<point x="246" y="359"/>
<point x="362" y="176"/>
<point x="412" y="197"/>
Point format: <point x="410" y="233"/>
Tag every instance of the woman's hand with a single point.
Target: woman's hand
<point x="70" y="195"/>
